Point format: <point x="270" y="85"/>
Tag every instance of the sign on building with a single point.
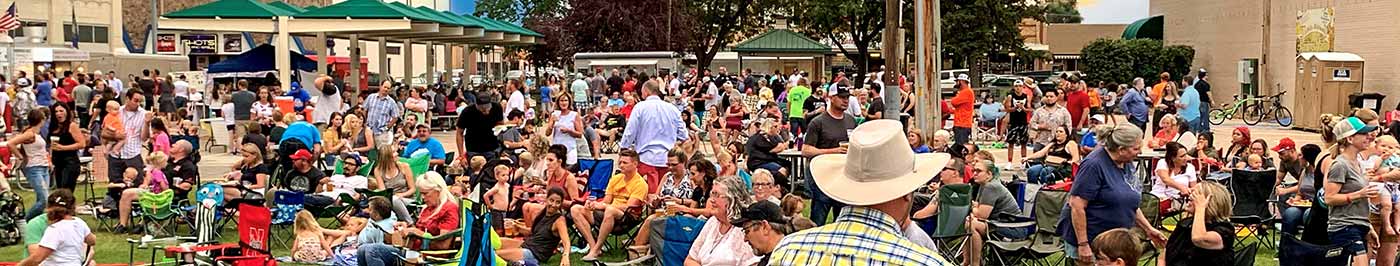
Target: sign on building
<point x="1315" y="30"/>
<point x="165" y="43"/>
<point x="200" y="43"/>
<point x="233" y="43"/>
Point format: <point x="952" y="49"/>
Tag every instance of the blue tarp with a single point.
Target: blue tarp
<point x="260" y="59"/>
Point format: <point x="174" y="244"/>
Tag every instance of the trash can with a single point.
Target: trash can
<point x="1370" y="100"/>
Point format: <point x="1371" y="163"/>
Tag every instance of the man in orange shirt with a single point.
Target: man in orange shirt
<point x="962" y="111"/>
<point x="1157" y="91"/>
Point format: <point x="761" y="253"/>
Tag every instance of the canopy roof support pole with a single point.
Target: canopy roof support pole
<point x="284" y="59"/>
<point x="407" y="53"/>
<point x="353" y="79"/>
<point x="384" y="59"/>
<point x="468" y="65"/>
<point x="430" y="76"/>
<point x="321" y="53"/>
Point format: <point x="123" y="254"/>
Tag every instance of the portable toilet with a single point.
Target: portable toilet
<point x="1330" y="78"/>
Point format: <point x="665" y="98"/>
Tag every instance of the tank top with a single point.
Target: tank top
<point x="1017" y="116"/>
<point x="398" y="183"/>
<point x="35" y="152"/>
<point x="561" y="138"/>
<point x="64" y="138"/>
<point x="542" y="239"/>
<point x="1058" y="150"/>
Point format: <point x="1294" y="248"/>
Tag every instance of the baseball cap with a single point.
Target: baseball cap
<point x="1284" y="144"/>
<point x="422" y="125"/>
<point x="1098" y="117"/>
<point x="962" y="77"/>
<point x="301" y="154"/>
<point x="762" y="210"/>
<point x="842" y="91"/>
<point x="1020" y="83"/>
<point x="354" y="157"/>
<point x="1351" y="126"/>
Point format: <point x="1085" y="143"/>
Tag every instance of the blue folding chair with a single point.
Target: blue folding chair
<point x="599" y="172"/>
<point x="285" y="205"/>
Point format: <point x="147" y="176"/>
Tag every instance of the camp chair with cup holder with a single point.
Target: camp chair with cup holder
<point x="474" y="242"/>
<point x="158" y="212"/>
<point x="285" y="205"/>
<point x="951" y="233"/>
<point x="1252" y="191"/>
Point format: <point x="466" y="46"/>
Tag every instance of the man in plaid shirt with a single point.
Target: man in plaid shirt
<point x="380" y="112"/>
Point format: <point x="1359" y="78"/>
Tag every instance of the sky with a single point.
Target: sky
<point x="1112" y="11"/>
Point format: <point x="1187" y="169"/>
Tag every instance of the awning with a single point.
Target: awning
<point x="1066" y="57"/>
<point x="781" y="41"/>
<point x="47" y="54"/>
<point x="622" y="62"/>
<point x="1147" y="28"/>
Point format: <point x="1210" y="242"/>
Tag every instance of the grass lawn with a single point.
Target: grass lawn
<point x="113" y="248"/>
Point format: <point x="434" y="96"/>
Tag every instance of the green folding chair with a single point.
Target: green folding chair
<point x="954" y="206"/>
<point x="158" y="212"/>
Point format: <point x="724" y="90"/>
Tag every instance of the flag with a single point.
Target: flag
<point x="75" y="24"/>
<point x="10" y="20"/>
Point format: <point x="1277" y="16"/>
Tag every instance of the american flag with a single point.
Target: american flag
<point x="10" y="20"/>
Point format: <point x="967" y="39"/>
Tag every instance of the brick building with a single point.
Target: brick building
<point x="1224" y="32"/>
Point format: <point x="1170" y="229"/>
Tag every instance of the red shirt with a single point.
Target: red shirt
<point x="962" y="108"/>
<point x="627" y="110"/>
<point x="1076" y="102"/>
<point x="629" y="86"/>
<point x="445" y="220"/>
<point x="65" y="92"/>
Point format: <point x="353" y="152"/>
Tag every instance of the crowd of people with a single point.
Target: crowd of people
<point x="702" y="148"/>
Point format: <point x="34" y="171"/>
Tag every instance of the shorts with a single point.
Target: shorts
<point x="1351" y="238"/>
<point x="1095" y="110"/>
<point x="626" y="221"/>
<point x="527" y="258"/>
<point x="1376" y="220"/>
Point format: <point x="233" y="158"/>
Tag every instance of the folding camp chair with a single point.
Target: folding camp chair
<point x="1150" y="206"/>
<point x="474" y="240"/>
<point x="1245" y="256"/>
<point x="285" y="205"/>
<point x="1294" y="252"/>
<point x="1252" y="190"/>
<point x="599" y="172"/>
<point x="254" y="224"/>
<point x="158" y="212"/>
<point x="1046" y="241"/>
<point x="951" y="233"/>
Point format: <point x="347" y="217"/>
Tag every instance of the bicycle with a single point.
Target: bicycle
<point x="1274" y="109"/>
<point x="1227" y="111"/>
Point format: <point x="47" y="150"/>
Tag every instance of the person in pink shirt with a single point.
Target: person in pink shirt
<point x="160" y="139"/>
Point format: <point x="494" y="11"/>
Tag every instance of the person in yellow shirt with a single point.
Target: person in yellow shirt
<point x="624" y="191"/>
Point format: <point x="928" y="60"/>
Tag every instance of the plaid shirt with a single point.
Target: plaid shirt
<point x="860" y="236"/>
<point x="380" y="109"/>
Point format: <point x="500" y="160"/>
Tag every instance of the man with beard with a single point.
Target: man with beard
<point x="1048" y="117"/>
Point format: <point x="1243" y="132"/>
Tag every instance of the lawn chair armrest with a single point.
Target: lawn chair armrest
<point x="429" y="239"/>
<point x="1021" y="224"/>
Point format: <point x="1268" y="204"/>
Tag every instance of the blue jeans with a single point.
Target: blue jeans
<point x="1042" y="173"/>
<point x="821" y="203"/>
<point x="38" y="177"/>
<point x="378" y="254"/>
<point x="1293" y="218"/>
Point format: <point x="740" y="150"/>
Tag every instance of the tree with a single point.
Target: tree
<point x="543" y="16"/>
<point x="1062" y="12"/>
<point x="974" y="29"/>
<point x="860" y="22"/>
<point x="519" y="11"/>
<point x="718" y="22"/>
<point x="605" y="26"/>
<point x="1123" y="60"/>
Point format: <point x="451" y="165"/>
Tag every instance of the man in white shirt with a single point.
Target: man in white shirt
<point x="517" y="99"/>
<point x="115" y="83"/>
<point x="330" y="101"/>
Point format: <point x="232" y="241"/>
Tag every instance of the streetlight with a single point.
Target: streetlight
<point x="1013" y="62"/>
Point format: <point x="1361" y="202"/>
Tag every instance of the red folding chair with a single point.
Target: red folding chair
<point x="254" y="225"/>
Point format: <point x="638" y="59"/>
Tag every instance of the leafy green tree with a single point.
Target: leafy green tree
<point x="719" y="23"/>
<point x="1123" y="60"/>
<point x="859" y="22"/>
<point x="1063" y="11"/>
<point x="974" y="29"/>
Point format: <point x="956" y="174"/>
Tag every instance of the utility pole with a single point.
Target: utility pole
<point x="893" y="51"/>
<point x="928" y="52"/>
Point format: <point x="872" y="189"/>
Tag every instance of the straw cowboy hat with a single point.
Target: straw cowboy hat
<point x="879" y="166"/>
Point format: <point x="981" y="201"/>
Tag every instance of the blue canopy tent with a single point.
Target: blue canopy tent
<point x="258" y="63"/>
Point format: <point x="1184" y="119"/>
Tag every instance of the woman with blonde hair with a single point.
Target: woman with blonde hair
<point x="1208" y="239"/>
<point x="389" y="173"/>
<point x="357" y="138"/>
<point x="440" y="211"/>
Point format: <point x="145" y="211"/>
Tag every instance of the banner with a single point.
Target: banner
<point x="165" y="43"/>
<point x="1315" y="30"/>
<point x="199" y="43"/>
<point x="233" y="43"/>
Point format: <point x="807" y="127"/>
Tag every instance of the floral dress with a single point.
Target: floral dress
<point x="309" y="250"/>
